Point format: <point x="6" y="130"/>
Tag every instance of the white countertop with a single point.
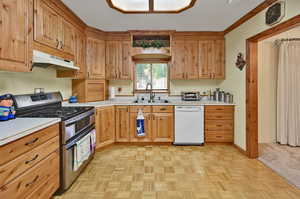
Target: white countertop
<point x="14" y="129"/>
<point x="130" y="103"/>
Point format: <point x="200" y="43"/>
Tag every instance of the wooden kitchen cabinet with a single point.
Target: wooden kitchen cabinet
<point x="177" y="70"/>
<point x="118" y="60"/>
<point x="95" y="55"/>
<point x="88" y="90"/>
<point x="35" y="162"/>
<point x="191" y="60"/>
<point x="211" y="59"/>
<point x="219" y="124"/>
<point x="184" y="60"/>
<point x="79" y="58"/>
<point x="105" y="126"/>
<point x="80" y="54"/>
<point x="122" y="124"/>
<point x="67" y="37"/>
<point x="197" y="59"/>
<point x="51" y="30"/>
<point x="159" y="122"/>
<point x="47" y="24"/>
<point x="163" y="127"/>
<point x="219" y="59"/>
<point x="148" y="128"/>
<point x="16" y="21"/>
<point x="206" y="59"/>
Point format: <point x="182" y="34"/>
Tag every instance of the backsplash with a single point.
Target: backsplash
<point x="23" y="83"/>
<point x="176" y="86"/>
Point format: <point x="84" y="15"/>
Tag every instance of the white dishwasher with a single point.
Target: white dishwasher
<point x="189" y="125"/>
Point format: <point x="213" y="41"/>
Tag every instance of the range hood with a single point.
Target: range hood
<point x="41" y="59"/>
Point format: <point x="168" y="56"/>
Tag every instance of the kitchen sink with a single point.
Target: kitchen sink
<point x="156" y="101"/>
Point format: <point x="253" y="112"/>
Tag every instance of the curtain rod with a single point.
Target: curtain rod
<point x="279" y="41"/>
<point x="289" y="39"/>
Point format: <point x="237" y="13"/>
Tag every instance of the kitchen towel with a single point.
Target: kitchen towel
<point x="82" y="151"/>
<point x="93" y="140"/>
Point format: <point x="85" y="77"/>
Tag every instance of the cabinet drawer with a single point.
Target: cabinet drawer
<point x="220" y="136"/>
<point x="215" y="125"/>
<point x="46" y="190"/>
<point x="12" y="150"/>
<point x="135" y="109"/>
<point x="219" y="115"/>
<point x="28" y="182"/>
<point x="162" y="109"/>
<point x="219" y="109"/>
<point x="24" y="162"/>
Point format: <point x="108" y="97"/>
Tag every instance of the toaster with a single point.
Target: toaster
<point x="190" y="96"/>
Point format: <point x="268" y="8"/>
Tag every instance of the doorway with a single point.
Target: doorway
<point x="252" y="82"/>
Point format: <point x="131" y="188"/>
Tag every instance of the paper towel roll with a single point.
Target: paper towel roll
<point x="112" y="93"/>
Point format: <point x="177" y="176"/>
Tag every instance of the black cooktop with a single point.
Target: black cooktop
<point x="56" y="112"/>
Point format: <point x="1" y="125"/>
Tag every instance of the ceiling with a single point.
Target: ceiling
<point x="206" y="15"/>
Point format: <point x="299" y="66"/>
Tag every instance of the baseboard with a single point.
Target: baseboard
<point x="240" y="149"/>
<point x="143" y="143"/>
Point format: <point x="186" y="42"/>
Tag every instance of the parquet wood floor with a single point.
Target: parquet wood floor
<point x="172" y="172"/>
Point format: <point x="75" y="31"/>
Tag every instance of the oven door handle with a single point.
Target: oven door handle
<point x="73" y="142"/>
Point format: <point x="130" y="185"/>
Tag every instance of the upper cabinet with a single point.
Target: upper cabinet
<point x="16" y="35"/>
<point x="52" y="30"/>
<point x="197" y="59"/>
<point x="95" y="58"/>
<point x="118" y="60"/>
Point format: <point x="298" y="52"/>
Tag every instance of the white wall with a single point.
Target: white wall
<point x="22" y="83"/>
<point x="235" y="79"/>
<point x="267" y="85"/>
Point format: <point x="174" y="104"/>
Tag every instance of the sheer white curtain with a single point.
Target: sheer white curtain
<point x="288" y="94"/>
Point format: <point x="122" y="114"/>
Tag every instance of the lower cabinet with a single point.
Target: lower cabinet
<point x="122" y="124"/>
<point x="105" y="126"/>
<point x="148" y="128"/>
<point x="163" y="127"/>
<point x="219" y="124"/>
<point x="32" y="171"/>
<point x="159" y="124"/>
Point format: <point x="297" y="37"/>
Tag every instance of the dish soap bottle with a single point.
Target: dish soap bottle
<point x="140" y="124"/>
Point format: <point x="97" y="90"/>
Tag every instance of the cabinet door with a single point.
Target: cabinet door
<point x="163" y="130"/>
<point x="67" y="37"/>
<point x="95" y="90"/>
<point x="122" y="124"/>
<point x="16" y="35"/>
<point x="177" y="70"/>
<point x="191" y="60"/>
<point x="125" y="69"/>
<point x="105" y="126"/>
<point x="47" y="24"/>
<point x="148" y="128"/>
<point x="206" y="59"/>
<point x="96" y="58"/>
<point x="80" y="53"/>
<point x="219" y="59"/>
<point x="113" y="59"/>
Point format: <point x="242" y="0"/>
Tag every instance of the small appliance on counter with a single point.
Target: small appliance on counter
<point x="190" y="96"/>
<point x="7" y="110"/>
<point x="221" y="96"/>
<point x="73" y="99"/>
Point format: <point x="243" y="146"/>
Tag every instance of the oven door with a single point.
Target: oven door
<point x="74" y="126"/>
<point x="68" y="173"/>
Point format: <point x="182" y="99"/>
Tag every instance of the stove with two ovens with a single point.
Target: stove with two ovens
<point x="76" y="123"/>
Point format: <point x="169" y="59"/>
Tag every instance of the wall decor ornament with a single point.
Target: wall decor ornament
<point x="240" y="62"/>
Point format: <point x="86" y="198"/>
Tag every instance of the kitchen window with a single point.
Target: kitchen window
<point x="153" y="73"/>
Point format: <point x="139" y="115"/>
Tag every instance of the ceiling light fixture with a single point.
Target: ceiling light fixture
<point x="150" y="6"/>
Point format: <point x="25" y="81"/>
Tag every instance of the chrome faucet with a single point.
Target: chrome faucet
<point x="152" y="95"/>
